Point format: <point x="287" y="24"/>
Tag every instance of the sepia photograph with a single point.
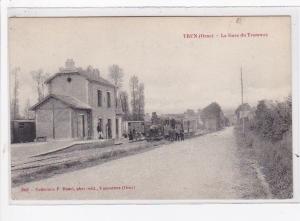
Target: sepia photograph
<point x="151" y="108"/>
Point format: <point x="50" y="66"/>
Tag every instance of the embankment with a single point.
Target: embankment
<point x="273" y="158"/>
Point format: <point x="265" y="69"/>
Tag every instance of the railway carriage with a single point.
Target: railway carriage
<point x="135" y="130"/>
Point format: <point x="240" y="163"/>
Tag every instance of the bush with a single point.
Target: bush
<point x="269" y="133"/>
<point x="272" y="120"/>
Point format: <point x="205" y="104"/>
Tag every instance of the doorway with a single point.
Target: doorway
<point x="109" y="134"/>
<point x="81" y="126"/>
<point x="117" y="128"/>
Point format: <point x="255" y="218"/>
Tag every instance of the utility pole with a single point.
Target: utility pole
<point x="242" y="99"/>
<point x="242" y="86"/>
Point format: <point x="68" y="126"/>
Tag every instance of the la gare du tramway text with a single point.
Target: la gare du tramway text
<point x="227" y="35"/>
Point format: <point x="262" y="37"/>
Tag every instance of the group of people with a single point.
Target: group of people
<point x="174" y="134"/>
<point x="100" y="131"/>
<point x="134" y="135"/>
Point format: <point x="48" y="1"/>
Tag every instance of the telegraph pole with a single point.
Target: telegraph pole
<point x="242" y="86"/>
<point x="242" y="99"/>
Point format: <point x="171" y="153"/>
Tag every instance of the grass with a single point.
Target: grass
<point x="275" y="160"/>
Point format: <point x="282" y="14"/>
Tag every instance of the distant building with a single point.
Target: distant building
<point x="243" y="113"/>
<point x="79" y="104"/>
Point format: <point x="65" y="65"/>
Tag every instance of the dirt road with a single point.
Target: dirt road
<point x="206" y="167"/>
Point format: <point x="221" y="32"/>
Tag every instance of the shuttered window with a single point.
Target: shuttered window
<point x="99" y="96"/>
<point x="108" y="99"/>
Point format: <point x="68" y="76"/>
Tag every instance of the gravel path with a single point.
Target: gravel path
<point x="206" y="167"/>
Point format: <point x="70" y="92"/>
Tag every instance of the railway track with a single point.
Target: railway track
<point x="47" y="165"/>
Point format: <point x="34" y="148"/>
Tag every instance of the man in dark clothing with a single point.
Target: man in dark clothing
<point x="182" y="134"/>
<point x="130" y="135"/>
<point x="99" y="130"/>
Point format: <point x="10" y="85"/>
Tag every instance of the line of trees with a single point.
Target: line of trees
<point x="269" y="120"/>
<point x="14" y="96"/>
<point x="136" y="88"/>
<point x="134" y="111"/>
<point x="39" y="77"/>
<point x="268" y="132"/>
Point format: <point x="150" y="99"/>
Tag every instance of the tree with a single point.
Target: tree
<point x="134" y="90"/>
<point x="40" y="77"/>
<point x="116" y="74"/>
<point x="190" y="112"/>
<point x="141" y="101"/>
<point x="91" y="72"/>
<point x="123" y="96"/>
<point x="213" y="111"/>
<point x="272" y="120"/>
<point x="14" y="103"/>
<point x="28" y="114"/>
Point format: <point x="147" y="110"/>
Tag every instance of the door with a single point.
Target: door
<point x="117" y="128"/>
<point x="109" y="135"/>
<point x="21" y="133"/>
<point x="81" y="126"/>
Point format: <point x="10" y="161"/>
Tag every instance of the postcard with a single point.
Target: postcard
<point x="151" y="108"/>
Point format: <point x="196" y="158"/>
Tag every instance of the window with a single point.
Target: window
<point x="99" y="96"/>
<point x="108" y="99"/>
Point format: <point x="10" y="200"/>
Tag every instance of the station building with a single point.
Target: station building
<point x="78" y="103"/>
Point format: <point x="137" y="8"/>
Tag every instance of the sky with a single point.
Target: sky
<point x="179" y="73"/>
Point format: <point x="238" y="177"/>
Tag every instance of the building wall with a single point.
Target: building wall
<point x="102" y="112"/>
<point x="77" y="87"/>
<point x="62" y="120"/>
<point x="86" y="91"/>
<point x="77" y="126"/>
<point x="120" y="131"/>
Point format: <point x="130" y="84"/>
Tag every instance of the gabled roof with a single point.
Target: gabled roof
<point x="88" y="76"/>
<point x="68" y="100"/>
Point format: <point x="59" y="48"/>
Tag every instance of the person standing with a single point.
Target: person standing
<point x="181" y="133"/>
<point x="177" y="131"/>
<point x="99" y="130"/>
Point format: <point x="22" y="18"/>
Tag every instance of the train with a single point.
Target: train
<point x="161" y="128"/>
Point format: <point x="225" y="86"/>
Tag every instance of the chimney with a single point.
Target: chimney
<point x="70" y="65"/>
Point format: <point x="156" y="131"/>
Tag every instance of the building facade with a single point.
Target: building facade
<point x="80" y="105"/>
